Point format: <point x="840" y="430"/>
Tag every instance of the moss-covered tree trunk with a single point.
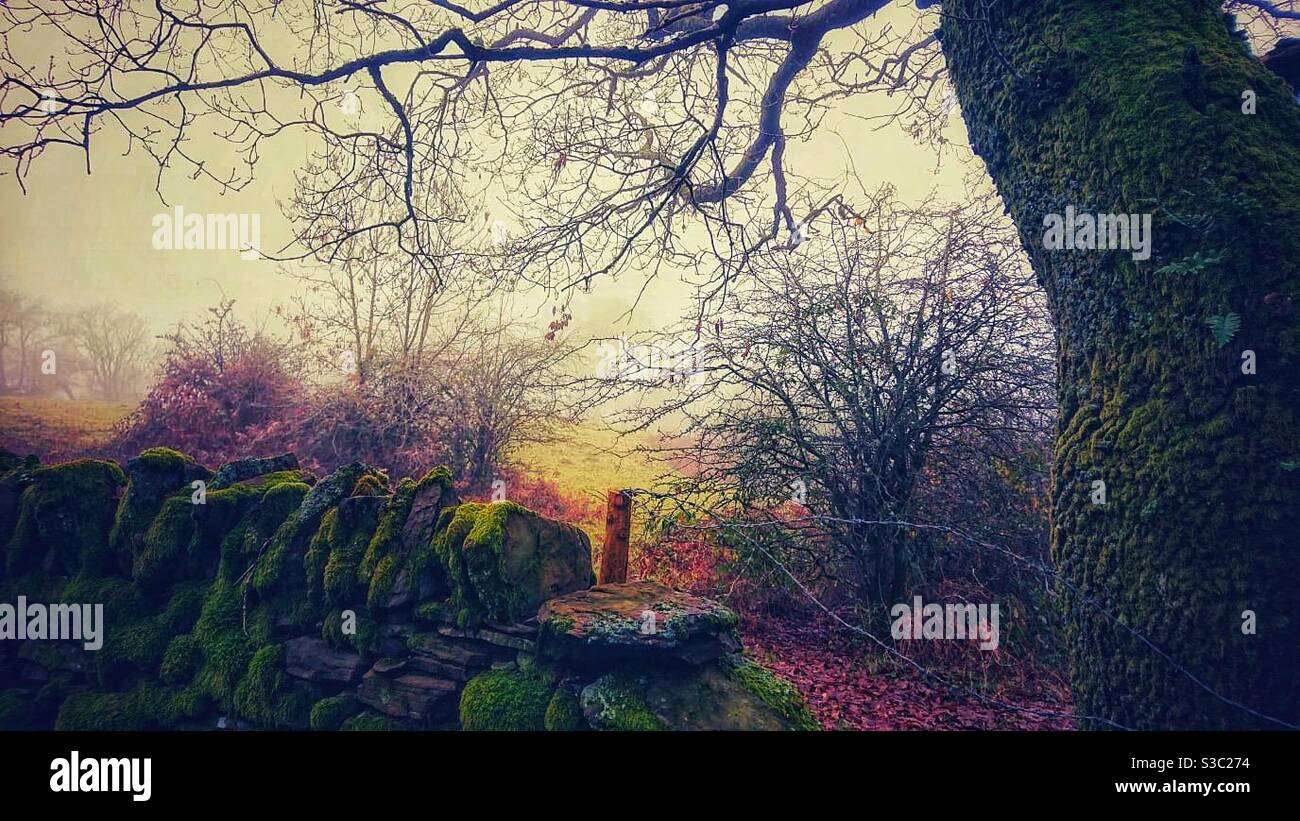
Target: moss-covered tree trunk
<point x="1115" y="106"/>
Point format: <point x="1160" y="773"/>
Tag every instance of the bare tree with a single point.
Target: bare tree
<point x="487" y="391"/>
<point x="367" y="314"/>
<point x="18" y="317"/>
<point x="33" y="359"/>
<point x="112" y="345"/>
<point x="503" y="389"/>
<point x="904" y="341"/>
<point x="604" y="126"/>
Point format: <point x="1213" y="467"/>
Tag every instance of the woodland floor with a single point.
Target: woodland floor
<point x="848" y="688"/>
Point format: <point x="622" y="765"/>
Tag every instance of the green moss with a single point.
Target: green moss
<point x="154" y="475"/>
<point x="106" y="711"/>
<point x="169" y="534"/>
<point x="424" y="559"/>
<point x="430" y="612"/>
<point x="181" y="660"/>
<point x="281" y="477"/>
<point x="619" y="705"/>
<point x="558" y="625"/>
<point x="382" y="580"/>
<point x="265" y="695"/>
<point x="777" y="693"/>
<point x="385" y="560"/>
<point x="563" y="713"/>
<point x="13" y="711"/>
<point x="332" y="629"/>
<point x="440" y="475"/>
<point x="123" y="602"/>
<point x="342" y="582"/>
<point x="243" y="546"/>
<point x="370" y="722"/>
<point x="269" y="572"/>
<point x="363" y="640"/>
<point x="389" y="528"/>
<point x="185" y="539"/>
<point x="334" y="556"/>
<point x="226" y="649"/>
<point x="371" y="484"/>
<point x="328" y="492"/>
<point x="164" y="459"/>
<point x="138" y="647"/>
<point x="66" y="513"/>
<point x="382" y="561"/>
<point x="137" y="630"/>
<point x="482" y="555"/>
<point x="144" y="708"/>
<point x="330" y="713"/>
<point x="454" y="525"/>
<point x="510" y="588"/>
<point x="318" y="554"/>
<point x="506" y="700"/>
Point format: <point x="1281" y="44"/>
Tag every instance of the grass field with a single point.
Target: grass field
<point x="62" y="428"/>
<point x="590" y="461"/>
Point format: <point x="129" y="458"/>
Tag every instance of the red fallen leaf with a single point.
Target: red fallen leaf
<point x="829" y="669"/>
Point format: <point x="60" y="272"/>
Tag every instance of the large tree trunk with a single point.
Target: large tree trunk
<point x="1116" y="106"/>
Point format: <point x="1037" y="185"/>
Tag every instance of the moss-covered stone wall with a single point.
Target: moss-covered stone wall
<point x="254" y="596"/>
<point x="261" y="597"/>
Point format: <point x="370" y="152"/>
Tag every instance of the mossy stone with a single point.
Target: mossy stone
<point x="370" y="722"/>
<point x="152" y="476"/>
<point x="507" y="700"/>
<point x="516" y="559"/>
<point x="330" y="713"/>
<point x="266" y="697"/>
<point x="454" y="525"/>
<point x="64" y="517"/>
<point x="564" y="713"/>
<point x="729" y="694"/>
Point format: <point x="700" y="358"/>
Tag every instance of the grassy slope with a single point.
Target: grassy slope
<point x="590" y="462"/>
<point x="56" y="428"/>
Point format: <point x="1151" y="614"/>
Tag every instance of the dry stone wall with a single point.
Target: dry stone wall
<point x="259" y="596"/>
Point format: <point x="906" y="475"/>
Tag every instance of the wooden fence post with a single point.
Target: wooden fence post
<point x="618" y="527"/>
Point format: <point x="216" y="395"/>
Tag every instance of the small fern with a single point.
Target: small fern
<point x="1191" y="265"/>
<point x="1224" y="327"/>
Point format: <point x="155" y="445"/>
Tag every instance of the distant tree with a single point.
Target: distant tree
<point x="112" y="346"/>
<point x="502" y="389"/>
<point x="486" y="391"/>
<point x="27" y="330"/>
